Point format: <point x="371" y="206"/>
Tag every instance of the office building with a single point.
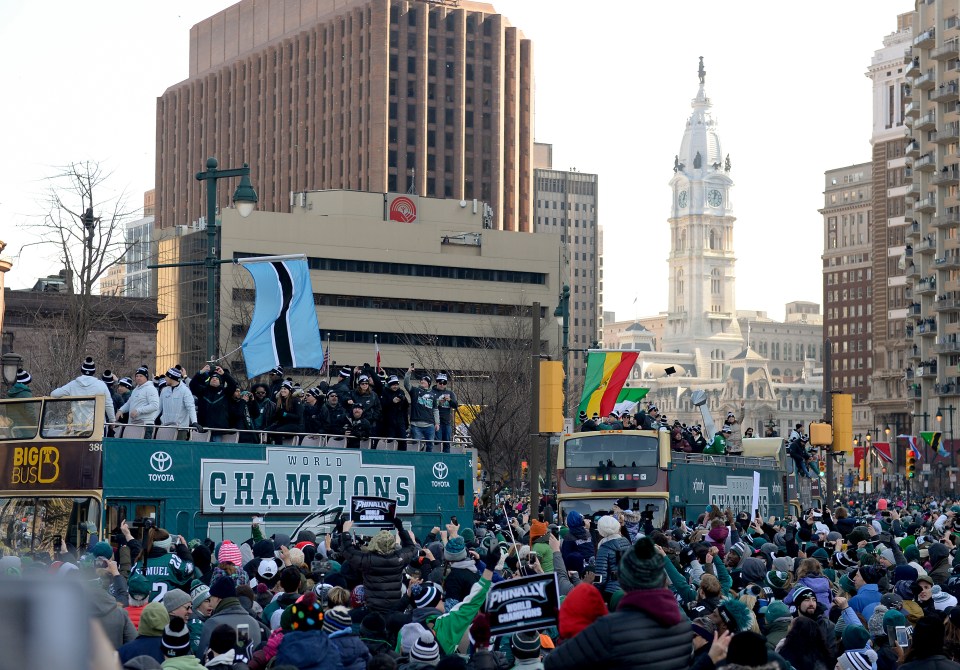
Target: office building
<point x="441" y="286"/>
<point x="432" y="97"/>
<point x="565" y="202"/>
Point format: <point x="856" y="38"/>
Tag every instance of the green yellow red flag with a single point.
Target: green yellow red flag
<point x="607" y="371"/>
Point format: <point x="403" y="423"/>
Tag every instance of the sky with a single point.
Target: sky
<point x="614" y="82"/>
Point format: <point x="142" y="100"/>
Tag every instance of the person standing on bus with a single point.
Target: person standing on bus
<point x="448" y="404"/>
<point x="424" y="413"/>
<point x="177" y="407"/>
<point x="213" y="389"/>
<point x="143" y="405"/>
<point x="166" y="562"/>
<point x="396" y="408"/>
<point x="21" y="389"/>
<point x="88" y="384"/>
<point x="735" y="437"/>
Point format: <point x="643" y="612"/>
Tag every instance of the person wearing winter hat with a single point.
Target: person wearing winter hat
<point x="381" y="568"/>
<point x="612" y="547"/>
<point x="424" y="653"/>
<point x="646" y="630"/>
<point x="373" y="633"/>
<point x="539" y="542"/>
<point x="177" y="406"/>
<point x="337" y="624"/>
<point x="202" y="608"/>
<point x="577" y="548"/>
<point x="306" y="644"/>
<point x="461" y="572"/>
<point x="175" y="646"/>
<point x="778" y="620"/>
<point x="856" y="637"/>
<point x="87" y="384"/>
<point x="153" y="619"/>
<point x="861" y="659"/>
<point x="178" y="603"/>
<point x="226" y="610"/>
<point x="142" y="405"/>
<point x="526" y="649"/>
<point x="138" y="589"/>
<point x="582" y="606"/>
<point x="21" y="388"/>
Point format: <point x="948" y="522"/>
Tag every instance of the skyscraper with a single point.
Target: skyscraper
<point x="427" y="96"/>
<point x="566" y="203"/>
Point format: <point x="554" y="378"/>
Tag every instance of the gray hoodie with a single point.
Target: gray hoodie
<point x="86" y="385"/>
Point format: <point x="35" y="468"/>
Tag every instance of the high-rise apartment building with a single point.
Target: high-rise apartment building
<point x="932" y="249"/>
<point x="427" y="96"/>
<point x="565" y="202"/>
<point x="141" y="236"/>
<point x="848" y="279"/>
<point x="890" y="257"/>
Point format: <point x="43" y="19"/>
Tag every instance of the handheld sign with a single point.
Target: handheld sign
<point x="525" y="603"/>
<point x="369" y="512"/>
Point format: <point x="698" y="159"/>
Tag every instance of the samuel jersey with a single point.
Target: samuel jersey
<point x="164" y="573"/>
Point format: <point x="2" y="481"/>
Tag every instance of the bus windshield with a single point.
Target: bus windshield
<point x="594" y="508"/>
<point x="612" y="450"/>
<point x="40" y="524"/>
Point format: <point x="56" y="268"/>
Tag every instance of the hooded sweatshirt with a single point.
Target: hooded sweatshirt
<point x="87" y="385"/>
<point x="577" y="548"/>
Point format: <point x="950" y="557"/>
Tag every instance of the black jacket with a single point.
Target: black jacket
<point x="213" y="404"/>
<point x="332" y="419"/>
<point x="371" y="406"/>
<point x="359" y="429"/>
<point x="242" y="414"/>
<point x="394" y="413"/>
<point x="647" y="632"/>
<point x="382" y="573"/>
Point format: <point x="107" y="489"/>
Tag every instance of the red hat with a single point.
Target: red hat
<point x="582" y="606"/>
<point x="537" y="529"/>
<point x="882" y="504"/>
<point x="229" y="553"/>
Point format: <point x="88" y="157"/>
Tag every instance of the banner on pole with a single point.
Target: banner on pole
<point x="371" y="512"/>
<point x="525" y="603"/>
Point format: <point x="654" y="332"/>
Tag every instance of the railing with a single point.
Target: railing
<point x="725" y="460"/>
<point x="141" y="432"/>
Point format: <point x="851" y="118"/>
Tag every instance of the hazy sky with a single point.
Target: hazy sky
<point x="614" y="82"/>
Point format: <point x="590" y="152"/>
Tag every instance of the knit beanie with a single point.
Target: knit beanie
<point x="306" y="613"/>
<point x="875" y="624"/>
<point x="537" y="529"/>
<point x="863" y="659"/>
<point x="607" y="526"/>
<point x="480" y="631"/>
<point x="153" y="619"/>
<point x="455" y="550"/>
<point x="574" y="519"/>
<point x="176" y="638"/>
<point x="741" y="549"/>
<point x="138" y="585"/>
<point x="425" y="649"/>
<point x="199" y="593"/>
<point x="336" y="619"/>
<point x="384" y="542"/>
<point x="373" y="627"/>
<point x="892" y="619"/>
<point x="642" y="568"/>
<point x="229" y="553"/>
<point x="776" y="610"/>
<point x="223" y="638"/>
<point x="425" y="594"/>
<point x="847" y="584"/>
<point x="802" y="593"/>
<point x="776" y="579"/>
<point x="223" y="587"/>
<point x="905" y="572"/>
<point x="855" y="637"/>
<point x="102" y="550"/>
<point x="525" y="645"/>
<point x="175" y="599"/>
<point x="23" y="377"/>
<point x="581" y="607"/>
<point x="358" y="597"/>
<point x="783" y="564"/>
<point x="88" y="367"/>
<point x="887" y="555"/>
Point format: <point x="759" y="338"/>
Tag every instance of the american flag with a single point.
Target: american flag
<point x="326" y="358"/>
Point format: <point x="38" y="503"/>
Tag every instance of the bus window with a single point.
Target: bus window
<point x="18" y="420"/>
<point x="39" y="524"/>
<point x="612" y="450"/>
<point x="594" y="508"/>
<point x="68" y="418"/>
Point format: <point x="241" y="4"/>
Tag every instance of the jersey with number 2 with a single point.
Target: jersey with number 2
<point x="166" y="572"/>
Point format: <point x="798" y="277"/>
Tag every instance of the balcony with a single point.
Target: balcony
<point x="926" y="205"/>
<point x="926" y="163"/>
<point x="946" y="93"/>
<point x="947" y="262"/>
<point x="925" y="82"/>
<point x="946" y="52"/>
<point x="913" y="190"/>
<point x="913" y="149"/>
<point x="912" y="111"/>
<point x="912" y="271"/>
<point x="926" y="286"/>
<point x="950" y="132"/>
<point x="913" y="309"/>
<point x="947" y="305"/>
<point x="926" y="122"/>
<point x="927" y="369"/>
<point x="927" y="245"/>
<point x="915" y="392"/>
<point x="950" y="25"/>
<point x="913" y="64"/>
<point x="948" y="345"/>
<point x="926" y="39"/>
<point x="949" y="219"/>
<point x="947" y="176"/>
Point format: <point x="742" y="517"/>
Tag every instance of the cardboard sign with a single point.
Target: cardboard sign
<point x="525" y="603"/>
<point x="369" y="512"/>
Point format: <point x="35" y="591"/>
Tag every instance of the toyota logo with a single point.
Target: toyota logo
<point x="161" y="461"/>
<point x="440" y="470"/>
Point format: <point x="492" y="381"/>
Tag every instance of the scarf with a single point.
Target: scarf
<point x="466" y="564"/>
<point x="226" y="659"/>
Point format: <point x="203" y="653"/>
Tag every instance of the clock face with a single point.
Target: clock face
<point x="682" y="199"/>
<point x="714" y="198"/>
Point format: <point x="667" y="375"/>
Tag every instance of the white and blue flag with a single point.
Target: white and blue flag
<point x="284" y="330"/>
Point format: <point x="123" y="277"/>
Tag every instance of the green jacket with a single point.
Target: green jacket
<point x="19" y="390"/>
<point x="195" y="626"/>
<point x="188" y="662"/>
<point x="544" y="553"/>
<point x="718" y="446"/>
<point x="689" y="594"/>
<point x="450" y="627"/>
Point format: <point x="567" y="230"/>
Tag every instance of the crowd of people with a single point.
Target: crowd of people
<point x="872" y="584"/>
<point x="362" y="403"/>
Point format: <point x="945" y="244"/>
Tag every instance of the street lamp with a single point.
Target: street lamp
<point x="10" y="362"/>
<point x="953" y="456"/>
<point x="245" y="200"/>
<point x="562" y="314"/>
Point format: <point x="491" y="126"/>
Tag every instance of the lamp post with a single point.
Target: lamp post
<point x="562" y="314"/>
<point x="245" y="199"/>
<point x="953" y="458"/>
<point x="10" y="363"/>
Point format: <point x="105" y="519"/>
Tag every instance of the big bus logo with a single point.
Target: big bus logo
<point x="35" y="465"/>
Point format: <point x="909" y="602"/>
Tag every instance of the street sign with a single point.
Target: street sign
<point x="567" y="425"/>
<point x="926" y="467"/>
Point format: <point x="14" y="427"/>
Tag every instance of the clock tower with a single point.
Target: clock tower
<point x="702" y="315"/>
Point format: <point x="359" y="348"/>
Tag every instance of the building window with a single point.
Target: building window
<point x="116" y="350"/>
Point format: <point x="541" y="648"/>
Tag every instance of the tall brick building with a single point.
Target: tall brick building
<point x="433" y="96"/>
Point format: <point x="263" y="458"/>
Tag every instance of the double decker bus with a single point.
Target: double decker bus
<point x="62" y="479"/>
<point x="595" y="469"/>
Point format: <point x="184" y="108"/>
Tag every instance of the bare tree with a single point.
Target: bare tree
<point x="86" y="234"/>
<point x="493" y="374"/>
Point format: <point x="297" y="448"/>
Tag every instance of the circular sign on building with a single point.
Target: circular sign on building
<point x="403" y="209"/>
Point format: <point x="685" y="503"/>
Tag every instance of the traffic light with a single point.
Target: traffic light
<point x="863" y="470"/>
<point x="821" y="434"/>
<point x="523" y="469"/>
<point x="822" y="468"/>
<point x="551" y="397"/>
<point x="911" y="465"/>
<point x="479" y="469"/>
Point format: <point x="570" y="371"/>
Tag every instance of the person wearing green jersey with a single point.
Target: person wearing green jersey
<point x="166" y="563"/>
<point x="719" y="444"/>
